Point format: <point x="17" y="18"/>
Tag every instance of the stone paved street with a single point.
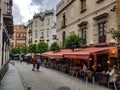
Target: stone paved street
<point x="11" y="80"/>
<point x="48" y="79"/>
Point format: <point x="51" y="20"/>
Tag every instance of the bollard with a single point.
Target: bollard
<point x="29" y="88"/>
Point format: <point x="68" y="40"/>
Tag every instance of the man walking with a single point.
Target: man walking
<point x="38" y="63"/>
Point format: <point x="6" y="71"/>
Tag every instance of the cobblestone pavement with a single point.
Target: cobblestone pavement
<point x="48" y="79"/>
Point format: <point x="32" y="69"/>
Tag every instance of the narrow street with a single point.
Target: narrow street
<point x="48" y="79"/>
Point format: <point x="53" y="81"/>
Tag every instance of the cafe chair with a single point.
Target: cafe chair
<point x="89" y="75"/>
<point x="115" y="83"/>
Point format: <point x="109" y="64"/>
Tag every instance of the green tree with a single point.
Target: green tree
<point x="16" y="50"/>
<point x="42" y="47"/>
<point x="73" y="41"/>
<point x="115" y="34"/>
<point x="54" y="46"/>
<point x="24" y="49"/>
<point x="32" y="48"/>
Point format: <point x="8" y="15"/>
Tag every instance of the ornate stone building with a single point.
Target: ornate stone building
<point x="6" y="31"/>
<point x="89" y="19"/>
<point x="42" y="27"/>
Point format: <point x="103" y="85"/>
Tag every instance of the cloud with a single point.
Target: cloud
<point x="16" y="14"/>
<point x="38" y="2"/>
<point x="45" y="4"/>
<point x="24" y="11"/>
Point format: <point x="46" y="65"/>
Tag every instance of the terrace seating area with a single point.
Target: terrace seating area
<point x="91" y="64"/>
<point x="87" y="75"/>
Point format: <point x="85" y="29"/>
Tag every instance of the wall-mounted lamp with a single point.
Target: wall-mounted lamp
<point x="90" y="59"/>
<point x="114" y="8"/>
<point x="108" y="62"/>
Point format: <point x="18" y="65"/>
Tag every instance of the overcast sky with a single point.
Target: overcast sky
<point x="23" y="10"/>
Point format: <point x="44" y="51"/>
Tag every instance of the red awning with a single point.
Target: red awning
<point x="59" y="54"/>
<point x="46" y="54"/>
<point x="85" y="52"/>
<point x="77" y="55"/>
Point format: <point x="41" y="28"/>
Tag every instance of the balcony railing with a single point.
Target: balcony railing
<point x="30" y="31"/>
<point x="63" y="24"/>
<point x="42" y="37"/>
<point x="8" y="20"/>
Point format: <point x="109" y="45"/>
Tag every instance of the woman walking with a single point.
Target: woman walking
<point x="34" y="63"/>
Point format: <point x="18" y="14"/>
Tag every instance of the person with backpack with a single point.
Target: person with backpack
<point x="39" y="62"/>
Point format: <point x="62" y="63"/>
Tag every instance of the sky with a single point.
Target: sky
<point x="23" y="10"/>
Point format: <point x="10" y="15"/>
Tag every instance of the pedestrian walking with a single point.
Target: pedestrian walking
<point x="38" y="63"/>
<point x="34" y="63"/>
<point x="21" y="59"/>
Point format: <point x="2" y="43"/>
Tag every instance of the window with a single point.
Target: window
<point x="48" y="21"/>
<point x="102" y="32"/>
<point x="99" y="1"/>
<point x="63" y="23"/>
<point x="42" y="23"/>
<point x="72" y="32"/>
<point x="54" y="36"/>
<point x="42" y="35"/>
<point x="19" y="35"/>
<point x="8" y="8"/>
<point x="83" y="6"/>
<point x="47" y="33"/>
<point x="63" y="38"/>
<point x="72" y="12"/>
<point x="36" y="33"/>
<point x="36" y="23"/>
<point x="83" y="30"/>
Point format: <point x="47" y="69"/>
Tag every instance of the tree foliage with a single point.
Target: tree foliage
<point x="33" y="48"/>
<point x="42" y="47"/>
<point x="15" y="50"/>
<point x="115" y="34"/>
<point x="54" y="46"/>
<point x="73" y="41"/>
<point x="24" y="49"/>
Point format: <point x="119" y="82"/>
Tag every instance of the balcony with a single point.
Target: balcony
<point x="63" y="24"/>
<point x="30" y="31"/>
<point x="42" y="37"/>
<point x="54" y="37"/>
<point x="30" y="41"/>
<point x="8" y="20"/>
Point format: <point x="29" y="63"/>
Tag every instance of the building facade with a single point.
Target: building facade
<point x="42" y="27"/>
<point x="6" y="31"/>
<point x="117" y="8"/>
<point x="19" y="35"/>
<point x="90" y="20"/>
<point x="29" y="32"/>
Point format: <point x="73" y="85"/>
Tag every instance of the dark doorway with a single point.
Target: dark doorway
<point x="63" y="38"/>
<point x="102" y="59"/>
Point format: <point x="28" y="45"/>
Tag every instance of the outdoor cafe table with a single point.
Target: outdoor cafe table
<point x="103" y="78"/>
